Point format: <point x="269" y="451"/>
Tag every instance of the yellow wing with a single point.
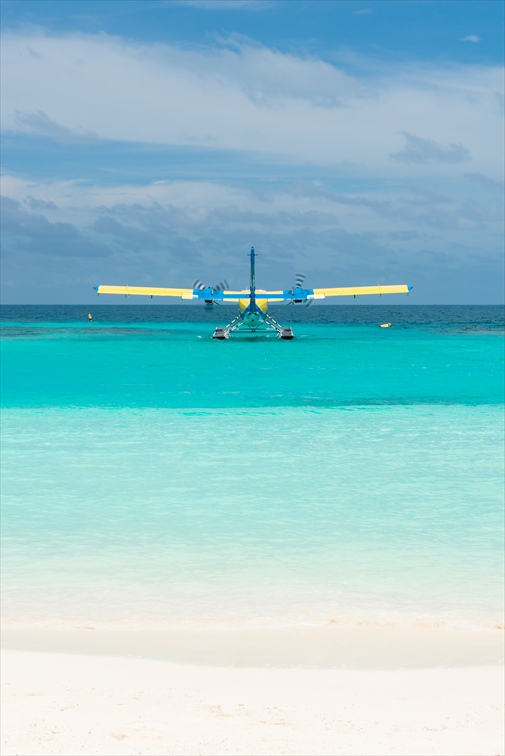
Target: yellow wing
<point x="298" y="294"/>
<point x="354" y="291"/>
<point x="148" y="291"/>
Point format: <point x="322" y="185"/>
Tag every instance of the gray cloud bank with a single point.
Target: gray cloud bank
<point x="418" y="150"/>
<point x="164" y="235"/>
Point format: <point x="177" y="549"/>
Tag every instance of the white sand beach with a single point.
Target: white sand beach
<point x="62" y="703"/>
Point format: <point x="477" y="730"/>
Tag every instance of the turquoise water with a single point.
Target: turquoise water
<point x="153" y="477"/>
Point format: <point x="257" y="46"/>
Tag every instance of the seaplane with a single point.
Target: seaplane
<point x="253" y="303"/>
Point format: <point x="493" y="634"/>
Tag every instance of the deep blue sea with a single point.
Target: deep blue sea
<point x="154" y="477"/>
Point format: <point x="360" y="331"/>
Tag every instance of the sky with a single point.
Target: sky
<point x="153" y="142"/>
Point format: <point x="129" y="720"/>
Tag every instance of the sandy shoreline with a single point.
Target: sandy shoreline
<point x="358" y="646"/>
<point x="61" y="703"/>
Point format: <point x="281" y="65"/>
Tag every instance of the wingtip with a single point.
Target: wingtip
<point x="96" y="287"/>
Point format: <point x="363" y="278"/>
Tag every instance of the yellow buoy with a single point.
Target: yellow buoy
<point x="90" y="316"/>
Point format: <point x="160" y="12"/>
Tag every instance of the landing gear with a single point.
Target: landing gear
<point x="286" y="333"/>
<point x="221" y="333"/>
<point x="254" y="325"/>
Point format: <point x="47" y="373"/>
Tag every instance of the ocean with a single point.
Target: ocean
<point x="155" y="478"/>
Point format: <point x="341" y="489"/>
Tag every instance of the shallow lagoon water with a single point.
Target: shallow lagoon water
<point x="155" y="478"/>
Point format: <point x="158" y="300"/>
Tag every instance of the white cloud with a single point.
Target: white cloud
<point x="242" y="96"/>
<point x="470" y="38"/>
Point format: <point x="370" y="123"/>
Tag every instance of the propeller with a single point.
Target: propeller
<point x="221" y="286"/>
<point x="299" y="281"/>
